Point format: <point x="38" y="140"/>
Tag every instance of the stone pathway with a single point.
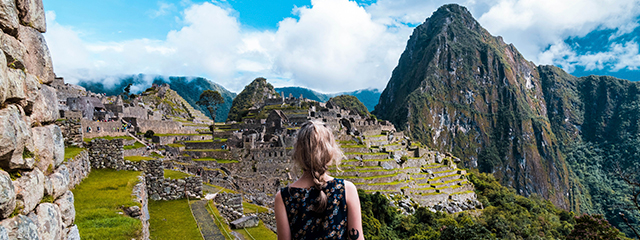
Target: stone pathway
<point x="208" y="228"/>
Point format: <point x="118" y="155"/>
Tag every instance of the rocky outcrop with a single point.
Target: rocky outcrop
<point x="31" y="145"/>
<point x="459" y="89"/>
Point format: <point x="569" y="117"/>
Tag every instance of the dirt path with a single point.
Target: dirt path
<point x="208" y="228"/>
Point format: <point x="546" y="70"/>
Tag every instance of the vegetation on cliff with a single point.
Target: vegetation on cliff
<point x="507" y="215"/>
<point x="350" y="103"/>
<point x="253" y="95"/>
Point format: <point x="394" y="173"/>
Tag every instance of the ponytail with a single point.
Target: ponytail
<point x="314" y="150"/>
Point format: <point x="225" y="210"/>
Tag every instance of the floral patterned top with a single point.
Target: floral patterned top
<point x="305" y="223"/>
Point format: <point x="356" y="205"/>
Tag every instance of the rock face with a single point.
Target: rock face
<point x="7" y="195"/>
<point x="31" y="145"/>
<point x="459" y="89"/>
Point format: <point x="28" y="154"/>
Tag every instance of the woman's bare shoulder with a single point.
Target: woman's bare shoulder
<point x="350" y="186"/>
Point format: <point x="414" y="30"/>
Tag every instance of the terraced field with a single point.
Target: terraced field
<point x="375" y="163"/>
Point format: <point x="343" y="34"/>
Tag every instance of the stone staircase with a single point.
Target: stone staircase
<point x="374" y="164"/>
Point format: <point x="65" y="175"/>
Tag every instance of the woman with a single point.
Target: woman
<point x="318" y="206"/>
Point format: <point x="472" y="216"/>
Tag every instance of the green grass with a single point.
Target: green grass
<point x="208" y="159"/>
<point x="175" y="145"/>
<point x="357" y="153"/>
<point x="372" y="177"/>
<point x="156" y="155"/>
<point x="175" y="174"/>
<point x="252" y="208"/>
<point x="259" y="232"/>
<point x="354" y="146"/>
<point x="109" y="138"/>
<point x="135" y="145"/>
<point x="70" y="152"/>
<point x="222" y="189"/>
<point x="99" y="198"/>
<point x="199" y="141"/>
<point x="209" y="150"/>
<point x="138" y="158"/>
<point x="172" y="220"/>
<point x="178" y="134"/>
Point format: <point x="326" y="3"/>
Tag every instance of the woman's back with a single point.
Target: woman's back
<point x="305" y="223"/>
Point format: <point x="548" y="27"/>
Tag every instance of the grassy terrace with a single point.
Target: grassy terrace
<point x="135" y="145"/>
<point x="98" y="201"/>
<point x="175" y="174"/>
<point x="354" y="146"/>
<point x="70" y="152"/>
<point x="208" y="159"/>
<point x="108" y="138"/>
<point x="178" y="134"/>
<point x="219" y="188"/>
<point x="216" y="140"/>
<point x="358" y="153"/>
<point x="370" y="178"/>
<point x="166" y="216"/>
<point x="208" y="150"/>
<point x="138" y="158"/>
<point x="175" y="145"/>
<point x="259" y="232"/>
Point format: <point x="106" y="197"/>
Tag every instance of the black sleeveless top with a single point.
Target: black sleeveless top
<point x="304" y="223"/>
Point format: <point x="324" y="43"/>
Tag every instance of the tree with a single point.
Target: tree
<point x="211" y="100"/>
<point x="593" y="227"/>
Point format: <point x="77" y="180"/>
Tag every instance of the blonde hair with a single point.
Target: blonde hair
<point x="314" y="150"/>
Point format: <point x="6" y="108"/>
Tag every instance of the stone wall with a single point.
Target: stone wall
<point x="229" y="205"/>
<point x="162" y="127"/>
<point x="28" y="111"/>
<point x="140" y="193"/>
<point x="159" y="188"/>
<point x="105" y="153"/>
<point x="72" y="131"/>
<point x="106" y="129"/>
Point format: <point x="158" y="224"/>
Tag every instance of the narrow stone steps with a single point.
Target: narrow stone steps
<point x="205" y="222"/>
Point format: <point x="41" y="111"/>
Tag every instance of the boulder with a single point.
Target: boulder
<point x="38" y="59"/>
<point x="73" y="233"/>
<point x="60" y="181"/>
<point x="49" y="147"/>
<point x="15" y="89"/>
<point x="31" y="13"/>
<point x="45" y="105"/>
<point x="48" y="186"/>
<point x="245" y="222"/>
<point x="49" y="221"/>
<point x="29" y="189"/>
<point x="13" y="49"/>
<point x="15" y="137"/>
<point x="7" y="195"/>
<point x="133" y="211"/>
<point x="68" y="211"/>
<point x="20" y="227"/>
<point x="9" y="16"/>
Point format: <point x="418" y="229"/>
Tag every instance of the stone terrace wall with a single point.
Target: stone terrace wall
<point x="140" y="192"/>
<point x="160" y="188"/>
<point x="72" y="131"/>
<point x="28" y="111"/>
<point x="164" y="140"/>
<point x="106" y="129"/>
<point x="105" y="153"/>
<point x="230" y="205"/>
<point x="162" y="127"/>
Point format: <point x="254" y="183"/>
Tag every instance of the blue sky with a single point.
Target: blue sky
<point x="326" y="45"/>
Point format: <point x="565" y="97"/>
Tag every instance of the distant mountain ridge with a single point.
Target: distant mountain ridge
<point x="188" y="88"/>
<point x="368" y="97"/>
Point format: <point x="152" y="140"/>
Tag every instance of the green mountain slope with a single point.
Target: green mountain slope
<point x="253" y="95"/>
<point x="187" y="88"/>
<point x="538" y="129"/>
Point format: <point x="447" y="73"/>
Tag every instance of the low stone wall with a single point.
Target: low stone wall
<point x="140" y="192"/>
<point x="105" y="153"/>
<point x="163" y="127"/>
<point x="79" y="168"/>
<point x="159" y="188"/>
<point x="269" y="220"/>
<point x="141" y="151"/>
<point x="229" y="205"/>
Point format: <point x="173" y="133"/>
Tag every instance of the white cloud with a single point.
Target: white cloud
<point x="336" y="45"/>
<point x="163" y="9"/>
